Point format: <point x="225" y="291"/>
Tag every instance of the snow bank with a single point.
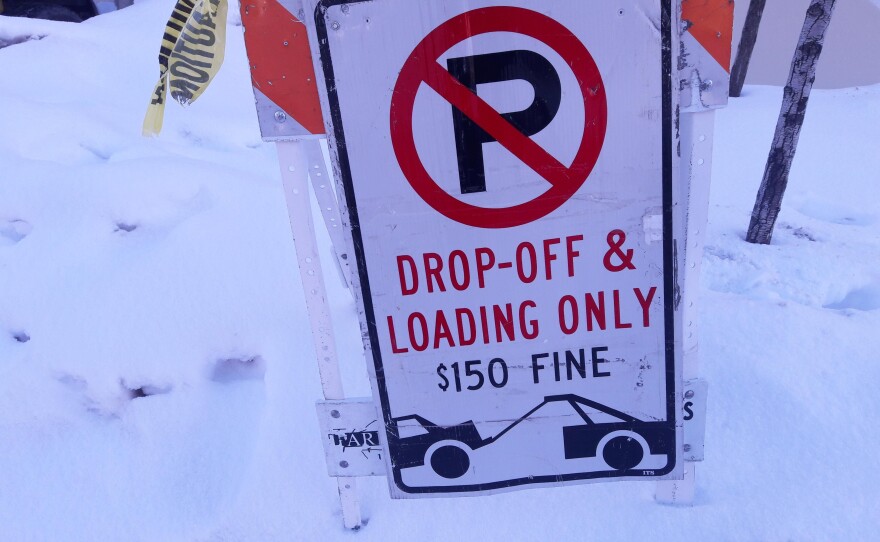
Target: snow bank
<point x="156" y="371"/>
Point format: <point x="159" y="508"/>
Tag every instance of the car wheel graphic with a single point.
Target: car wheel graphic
<point x="449" y="459"/>
<point x="623" y="452"/>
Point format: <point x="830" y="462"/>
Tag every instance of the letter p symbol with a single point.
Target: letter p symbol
<point x="493" y="68"/>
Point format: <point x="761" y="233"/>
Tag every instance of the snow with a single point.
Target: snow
<point x="157" y="378"/>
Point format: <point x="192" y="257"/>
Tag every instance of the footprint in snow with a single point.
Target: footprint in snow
<point x="799" y="232"/>
<point x="866" y="298"/>
<point x="13" y="231"/>
<point x="836" y="214"/>
<point x="125" y="227"/>
<point x="236" y="369"/>
<point x="162" y="215"/>
<point x="137" y="391"/>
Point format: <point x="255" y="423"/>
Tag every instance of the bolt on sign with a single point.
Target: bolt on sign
<point x="506" y="166"/>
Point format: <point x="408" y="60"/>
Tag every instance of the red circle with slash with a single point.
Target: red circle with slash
<point x="422" y="67"/>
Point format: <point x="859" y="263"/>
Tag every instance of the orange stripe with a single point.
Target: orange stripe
<point x="281" y="61"/>
<point x="712" y="26"/>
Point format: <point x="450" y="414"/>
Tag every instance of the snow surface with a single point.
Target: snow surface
<point x="157" y="379"/>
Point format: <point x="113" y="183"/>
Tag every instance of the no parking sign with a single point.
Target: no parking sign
<point x="507" y="169"/>
<point x="476" y="122"/>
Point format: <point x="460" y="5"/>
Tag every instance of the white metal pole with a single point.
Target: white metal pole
<point x="697" y="131"/>
<point x="293" y="158"/>
<point x="325" y="195"/>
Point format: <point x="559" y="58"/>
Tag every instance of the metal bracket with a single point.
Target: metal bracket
<point x="682" y="492"/>
<point x="694" y="409"/>
<point x="353" y="436"/>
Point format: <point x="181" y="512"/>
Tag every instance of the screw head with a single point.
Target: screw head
<point x="335" y="25"/>
<point x="334" y="413"/>
<point x="689" y="394"/>
<point x="343" y="464"/>
<point x="345" y="8"/>
<point x="285" y="43"/>
<point x="280" y="116"/>
<point x="687" y="447"/>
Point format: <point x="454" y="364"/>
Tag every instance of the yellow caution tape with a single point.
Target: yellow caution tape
<point x="190" y="55"/>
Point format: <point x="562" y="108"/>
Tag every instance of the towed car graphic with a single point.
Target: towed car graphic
<point x="621" y="445"/>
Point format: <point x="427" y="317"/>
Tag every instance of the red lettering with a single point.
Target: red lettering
<point x="645" y="303"/>
<point x="459" y="283"/>
<point x="533" y="262"/>
<point x="484" y="320"/>
<point x="432" y="272"/>
<point x="394" y="348"/>
<point x="441" y="331"/>
<point x="548" y="256"/>
<point x="437" y="330"/>
<point x="527" y="332"/>
<point x="404" y="288"/>
<point x="504" y="320"/>
<point x="472" y="325"/>
<point x="596" y="311"/>
<point x="618" y="323"/>
<point x="567" y="328"/>
<point x="572" y="253"/>
<point x="422" y="344"/>
<point x="483" y="266"/>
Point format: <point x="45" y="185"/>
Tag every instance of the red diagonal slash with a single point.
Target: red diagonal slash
<point x="422" y="67"/>
<point x="490" y="120"/>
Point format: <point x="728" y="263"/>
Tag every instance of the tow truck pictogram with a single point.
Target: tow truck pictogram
<point x="622" y="445"/>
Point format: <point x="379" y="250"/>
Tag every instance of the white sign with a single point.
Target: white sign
<point x="508" y="174"/>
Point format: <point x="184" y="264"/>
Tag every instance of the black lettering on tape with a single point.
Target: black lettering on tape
<point x="195" y="75"/>
<point x="191" y="62"/>
<point x="182" y="49"/>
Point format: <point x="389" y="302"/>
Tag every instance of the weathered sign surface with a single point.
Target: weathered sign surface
<point x="508" y="174"/>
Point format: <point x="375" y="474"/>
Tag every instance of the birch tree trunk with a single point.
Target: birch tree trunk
<point x="791" y="118"/>
<point x="746" y="45"/>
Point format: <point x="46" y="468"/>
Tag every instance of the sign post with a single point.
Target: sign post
<point x="704" y="75"/>
<point x="510" y="178"/>
<point x="289" y="113"/>
<point x="295" y="175"/>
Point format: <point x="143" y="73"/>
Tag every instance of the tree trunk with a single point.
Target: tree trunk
<point x="791" y="118"/>
<point x="746" y="45"/>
